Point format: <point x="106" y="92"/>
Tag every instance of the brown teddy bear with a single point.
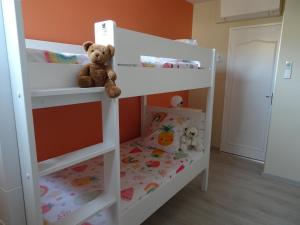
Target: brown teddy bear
<point x="98" y="73"/>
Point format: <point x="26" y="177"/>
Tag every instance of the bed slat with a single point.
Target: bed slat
<point x="58" y="163"/>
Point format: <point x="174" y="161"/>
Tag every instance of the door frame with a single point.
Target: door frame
<point x="227" y="85"/>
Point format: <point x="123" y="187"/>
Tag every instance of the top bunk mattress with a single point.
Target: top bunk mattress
<point x="143" y="170"/>
<point x="45" y="56"/>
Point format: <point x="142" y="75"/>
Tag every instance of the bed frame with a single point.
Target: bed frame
<point x="40" y="85"/>
<point x="142" y="209"/>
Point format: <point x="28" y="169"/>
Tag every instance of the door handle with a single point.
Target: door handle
<point x="271" y="97"/>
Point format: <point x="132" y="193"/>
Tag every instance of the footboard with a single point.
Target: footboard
<point x="135" y="79"/>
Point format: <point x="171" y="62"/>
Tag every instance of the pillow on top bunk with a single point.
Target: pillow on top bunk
<point x="43" y="56"/>
<point x="188" y="41"/>
<point x="165" y="131"/>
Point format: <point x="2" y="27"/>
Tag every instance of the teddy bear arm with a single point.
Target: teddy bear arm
<point x="111" y="73"/>
<point x="111" y="89"/>
<point x="183" y="139"/>
<point x="85" y="71"/>
<point x="183" y="146"/>
<point x="85" y="80"/>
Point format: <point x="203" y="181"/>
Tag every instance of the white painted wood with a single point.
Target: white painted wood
<point x="135" y="44"/>
<point x="15" y="43"/>
<point x="105" y="33"/>
<point x="155" y="80"/>
<point x="112" y="160"/>
<point x="12" y="207"/>
<point x="111" y="133"/>
<point x="140" y="211"/>
<point x="251" y="67"/>
<point x="209" y="119"/>
<point x="65" y="91"/>
<point x="51" y="101"/>
<point x="130" y="46"/>
<point x="10" y="176"/>
<point x="43" y="98"/>
<point x="56" y="76"/>
<point x="61" y="162"/>
<point x="53" y="84"/>
<point x="53" y="75"/>
<point x="100" y="203"/>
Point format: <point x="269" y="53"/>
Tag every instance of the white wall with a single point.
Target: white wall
<point x="283" y="154"/>
<point x="211" y="34"/>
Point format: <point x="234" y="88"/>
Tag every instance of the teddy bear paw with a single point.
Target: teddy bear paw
<point x="113" y="91"/>
<point x="85" y="81"/>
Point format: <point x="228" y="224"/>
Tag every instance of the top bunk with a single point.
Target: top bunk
<point x="145" y="64"/>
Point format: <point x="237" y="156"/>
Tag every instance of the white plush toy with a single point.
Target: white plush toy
<point x="191" y="140"/>
<point x="176" y="101"/>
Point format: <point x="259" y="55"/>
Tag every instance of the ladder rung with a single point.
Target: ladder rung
<point x="65" y="91"/>
<point x="58" y="163"/>
<point x="87" y="211"/>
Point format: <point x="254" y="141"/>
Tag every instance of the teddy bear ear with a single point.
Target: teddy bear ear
<point x="111" y="50"/>
<point x="86" y="45"/>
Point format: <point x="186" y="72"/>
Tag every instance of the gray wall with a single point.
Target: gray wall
<point x="283" y="154"/>
<point x="11" y="195"/>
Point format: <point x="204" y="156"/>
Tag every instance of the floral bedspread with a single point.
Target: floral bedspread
<point x="143" y="170"/>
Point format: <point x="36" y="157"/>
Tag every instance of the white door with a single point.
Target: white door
<point x="250" y="76"/>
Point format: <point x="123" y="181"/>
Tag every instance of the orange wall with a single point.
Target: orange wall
<point x="71" y="21"/>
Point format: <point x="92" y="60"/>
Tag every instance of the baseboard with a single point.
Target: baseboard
<point x="244" y="157"/>
<point x="281" y="179"/>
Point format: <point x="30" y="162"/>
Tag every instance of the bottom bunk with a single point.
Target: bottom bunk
<point x="149" y="177"/>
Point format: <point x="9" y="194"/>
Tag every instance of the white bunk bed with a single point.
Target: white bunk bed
<point x="40" y="85"/>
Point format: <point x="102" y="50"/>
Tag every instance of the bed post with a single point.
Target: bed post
<point x="143" y="113"/>
<point x="105" y="34"/>
<point x="16" y="52"/>
<point x="209" y="117"/>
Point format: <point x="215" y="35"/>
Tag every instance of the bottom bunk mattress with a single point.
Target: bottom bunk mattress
<point x="143" y="170"/>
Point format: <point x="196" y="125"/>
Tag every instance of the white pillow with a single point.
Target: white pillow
<point x="165" y="131"/>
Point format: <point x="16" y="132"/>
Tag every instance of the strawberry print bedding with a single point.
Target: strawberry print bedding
<point x="158" y="62"/>
<point x="43" y="56"/>
<point x="143" y="170"/>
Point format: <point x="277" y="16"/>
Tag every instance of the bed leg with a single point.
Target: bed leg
<point x="204" y="183"/>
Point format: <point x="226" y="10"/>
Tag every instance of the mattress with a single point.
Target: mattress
<point x="143" y="170"/>
<point x="43" y="56"/>
<point x="158" y="62"/>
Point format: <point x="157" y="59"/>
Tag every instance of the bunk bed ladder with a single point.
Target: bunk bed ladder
<point x="30" y="168"/>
